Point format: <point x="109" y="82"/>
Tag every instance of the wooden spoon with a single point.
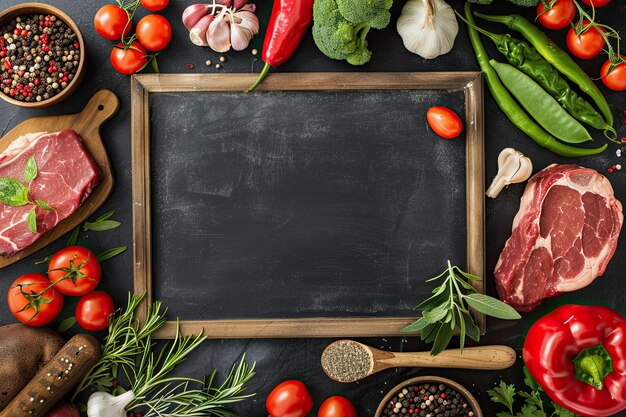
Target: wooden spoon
<point x="349" y="361"/>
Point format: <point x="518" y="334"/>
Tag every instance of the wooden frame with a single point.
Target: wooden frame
<point x="144" y="85"/>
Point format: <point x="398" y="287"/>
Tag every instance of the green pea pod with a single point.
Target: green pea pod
<point x="540" y="105"/>
<point x="513" y="111"/>
<point x="555" y="56"/>
<point x="526" y="58"/>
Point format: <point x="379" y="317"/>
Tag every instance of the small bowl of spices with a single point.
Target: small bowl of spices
<point x="429" y="396"/>
<point x="42" y="55"/>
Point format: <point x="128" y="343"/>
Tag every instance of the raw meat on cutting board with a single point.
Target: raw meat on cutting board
<point x="564" y="235"/>
<point x="66" y="176"/>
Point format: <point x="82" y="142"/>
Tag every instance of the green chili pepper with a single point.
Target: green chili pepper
<point x="540" y="105"/>
<point x="526" y="58"/>
<point x="555" y="56"/>
<point x="510" y="107"/>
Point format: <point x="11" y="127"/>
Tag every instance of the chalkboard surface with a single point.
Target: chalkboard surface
<point x="302" y="204"/>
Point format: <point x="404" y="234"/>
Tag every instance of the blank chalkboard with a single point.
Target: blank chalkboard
<point x="319" y="206"/>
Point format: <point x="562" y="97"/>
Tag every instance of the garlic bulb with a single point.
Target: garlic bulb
<point x="513" y="168"/>
<point x="102" y="404"/>
<point x="428" y="27"/>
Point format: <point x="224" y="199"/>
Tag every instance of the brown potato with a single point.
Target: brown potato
<point x="23" y="350"/>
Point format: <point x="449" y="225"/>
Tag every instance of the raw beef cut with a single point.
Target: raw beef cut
<point x="564" y="235"/>
<point x="66" y="176"/>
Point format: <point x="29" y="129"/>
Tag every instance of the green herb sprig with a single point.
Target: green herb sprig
<point x="536" y="402"/>
<point x="447" y="309"/>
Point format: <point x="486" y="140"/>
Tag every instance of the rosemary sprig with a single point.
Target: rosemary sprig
<point x="447" y="309"/>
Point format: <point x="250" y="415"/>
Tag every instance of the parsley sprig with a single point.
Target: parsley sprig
<point x="448" y="309"/>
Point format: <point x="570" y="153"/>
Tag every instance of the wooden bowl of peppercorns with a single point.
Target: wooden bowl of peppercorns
<point x="429" y="396"/>
<point x="42" y="55"/>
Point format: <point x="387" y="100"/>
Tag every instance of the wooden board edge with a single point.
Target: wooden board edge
<point x="475" y="188"/>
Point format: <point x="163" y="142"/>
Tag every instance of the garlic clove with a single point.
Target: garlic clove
<point x="238" y="4"/>
<point x="247" y="20"/>
<point x="248" y="8"/>
<point x="513" y="168"/>
<point x="239" y="37"/>
<point x="193" y="14"/>
<point x="218" y="34"/>
<point x="103" y="404"/>
<point x="198" y="34"/>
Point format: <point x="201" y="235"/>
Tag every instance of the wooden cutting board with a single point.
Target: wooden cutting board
<point x="101" y="107"/>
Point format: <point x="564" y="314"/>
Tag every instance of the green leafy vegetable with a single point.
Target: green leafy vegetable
<point x="105" y="216"/>
<point x="447" y="309"/>
<point x="31" y="219"/>
<point x="100" y="226"/>
<point x="30" y="170"/>
<point x="66" y="324"/>
<point x="108" y="254"/>
<point x="13" y="192"/>
<point x="44" y="205"/>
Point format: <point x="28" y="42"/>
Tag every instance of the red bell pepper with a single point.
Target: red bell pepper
<point x="578" y="356"/>
<point x="289" y="22"/>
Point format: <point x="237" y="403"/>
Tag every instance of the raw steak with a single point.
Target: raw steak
<point x="564" y="235"/>
<point x="66" y="176"/>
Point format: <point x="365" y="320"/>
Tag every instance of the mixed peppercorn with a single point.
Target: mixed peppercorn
<point x="428" y="400"/>
<point x="39" y="57"/>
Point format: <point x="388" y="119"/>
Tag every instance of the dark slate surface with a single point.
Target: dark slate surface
<point x="281" y="359"/>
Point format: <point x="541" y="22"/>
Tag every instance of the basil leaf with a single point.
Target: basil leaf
<point x="13" y="192"/>
<point x="418" y="326"/>
<point x="66" y="324"/>
<point x="30" y="170"/>
<point x="492" y="307"/>
<point x="44" y="205"/>
<point x="31" y="219"/>
<point x="105" y="216"/>
<point x="108" y="254"/>
<point x="102" y="225"/>
<point x="444" y="335"/>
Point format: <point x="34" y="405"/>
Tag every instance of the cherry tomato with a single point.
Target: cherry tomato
<point x="444" y="122"/>
<point x="128" y="61"/>
<point x="27" y="307"/>
<point x="155" y="5"/>
<point x="112" y="22"/>
<point x="616" y="79"/>
<point x="93" y="311"/>
<point x="337" y="406"/>
<point x="75" y="270"/>
<point x="586" y="45"/>
<point x="559" y="16"/>
<point x="154" y="32"/>
<point x="596" y="3"/>
<point x="289" y="399"/>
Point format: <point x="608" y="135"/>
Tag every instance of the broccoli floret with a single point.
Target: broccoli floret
<point x="341" y="36"/>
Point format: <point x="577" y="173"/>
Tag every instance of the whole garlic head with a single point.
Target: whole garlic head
<point x="428" y="27"/>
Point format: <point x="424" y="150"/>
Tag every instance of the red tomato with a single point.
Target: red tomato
<point x="154" y="32"/>
<point x="27" y="307"/>
<point x="444" y="122"/>
<point x="75" y="270"/>
<point x="616" y="79"/>
<point x="128" y="61"/>
<point x="289" y="399"/>
<point x="596" y="3"/>
<point x="93" y="311"/>
<point x="337" y="406"/>
<point x="155" y="5"/>
<point x="112" y="22"/>
<point x="586" y="45"/>
<point x="559" y="16"/>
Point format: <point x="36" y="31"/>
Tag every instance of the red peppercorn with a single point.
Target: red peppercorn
<point x="12" y="93"/>
<point x="610" y="169"/>
<point x="189" y="66"/>
<point x="7" y="64"/>
<point x="3" y="53"/>
<point x="443" y="395"/>
<point x="36" y="81"/>
<point x="24" y="32"/>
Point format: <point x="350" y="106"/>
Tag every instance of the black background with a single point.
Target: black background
<point x="278" y="360"/>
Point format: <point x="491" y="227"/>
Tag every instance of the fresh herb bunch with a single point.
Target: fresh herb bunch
<point x="448" y="309"/>
<point x="536" y="403"/>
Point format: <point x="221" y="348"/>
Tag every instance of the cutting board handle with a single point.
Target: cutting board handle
<point x="101" y="107"/>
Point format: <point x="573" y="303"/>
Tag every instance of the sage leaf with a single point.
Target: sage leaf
<point x="73" y="237"/>
<point x="66" y="324"/>
<point x="108" y="254"/>
<point x="429" y="332"/>
<point x="105" y="216"/>
<point x="30" y="170"/>
<point x="472" y="330"/>
<point x="44" y="205"/>
<point x="31" y="219"/>
<point x="102" y="225"/>
<point x="12" y="192"/>
<point x="418" y="326"/>
<point x="492" y="307"/>
<point x="433" y="316"/>
<point x="444" y="335"/>
<point x="462" y="328"/>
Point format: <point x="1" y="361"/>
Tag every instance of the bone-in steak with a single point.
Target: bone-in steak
<point x="66" y="176"/>
<point x="564" y="235"/>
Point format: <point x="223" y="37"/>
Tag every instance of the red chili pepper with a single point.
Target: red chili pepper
<point x="289" y="22"/>
<point x="578" y="356"/>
